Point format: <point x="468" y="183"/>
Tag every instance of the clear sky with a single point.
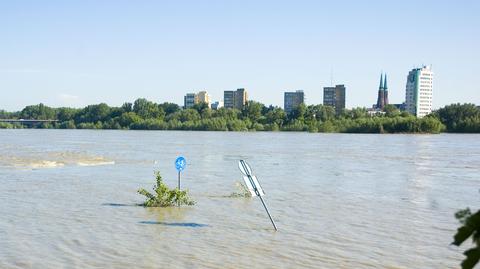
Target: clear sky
<point x="74" y="53"/>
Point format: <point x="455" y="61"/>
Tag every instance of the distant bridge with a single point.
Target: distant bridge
<point x="27" y="122"/>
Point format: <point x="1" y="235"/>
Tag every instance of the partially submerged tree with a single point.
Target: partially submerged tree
<point x="163" y="196"/>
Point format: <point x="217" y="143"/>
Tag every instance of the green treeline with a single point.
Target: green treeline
<point x="459" y="118"/>
<point x="147" y="115"/>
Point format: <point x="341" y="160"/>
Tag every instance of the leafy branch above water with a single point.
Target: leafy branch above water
<point x="163" y="196"/>
<point x="470" y="228"/>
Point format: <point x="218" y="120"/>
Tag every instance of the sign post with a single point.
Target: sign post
<point x="253" y="185"/>
<point x="180" y="164"/>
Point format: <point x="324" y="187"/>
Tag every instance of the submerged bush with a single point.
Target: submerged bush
<point x="242" y="191"/>
<point x="163" y="196"/>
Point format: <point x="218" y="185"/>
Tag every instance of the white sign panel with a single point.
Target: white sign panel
<point x="250" y="187"/>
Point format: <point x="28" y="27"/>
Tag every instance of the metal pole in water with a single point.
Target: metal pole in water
<point x="178" y="202"/>
<point x="180" y="164"/>
<point x="257" y="192"/>
<point x="266" y="209"/>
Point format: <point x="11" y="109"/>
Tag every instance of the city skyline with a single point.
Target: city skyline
<point x="221" y="98"/>
<point x="193" y="97"/>
<point x="334" y="96"/>
<point x="63" y="54"/>
<point x="212" y="98"/>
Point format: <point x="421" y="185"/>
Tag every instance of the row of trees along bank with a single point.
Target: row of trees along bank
<point x="147" y="115"/>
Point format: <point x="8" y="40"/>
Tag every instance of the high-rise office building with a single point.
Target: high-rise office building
<point x="235" y="99"/>
<point x="189" y="100"/>
<point x="292" y="100"/>
<point x="419" y="91"/>
<point x="335" y="97"/>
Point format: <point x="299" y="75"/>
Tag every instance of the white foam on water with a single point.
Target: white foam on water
<point x="45" y="164"/>
<point x="54" y="160"/>
<point x="95" y="163"/>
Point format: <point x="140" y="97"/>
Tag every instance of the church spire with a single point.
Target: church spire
<point x="381" y="82"/>
<point x="381" y="94"/>
<point x="385" y="83"/>
<point x="385" y="91"/>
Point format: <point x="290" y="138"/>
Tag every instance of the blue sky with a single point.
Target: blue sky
<point x="74" y="53"/>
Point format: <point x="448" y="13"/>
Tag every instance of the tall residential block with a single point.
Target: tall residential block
<point x="189" y="100"/>
<point x="203" y="97"/>
<point x="229" y="99"/>
<point x="335" y="97"/>
<point x="240" y="98"/>
<point x="419" y="91"/>
<point x="292" y="100"/>
<point x="235" y="99"/>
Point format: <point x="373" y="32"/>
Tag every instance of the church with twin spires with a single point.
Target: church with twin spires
<point x="382" y="99"/>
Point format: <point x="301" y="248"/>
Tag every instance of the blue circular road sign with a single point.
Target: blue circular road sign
<point x="180" y="163"/>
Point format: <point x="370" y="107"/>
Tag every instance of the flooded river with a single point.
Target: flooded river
<point x="68" y="199"/>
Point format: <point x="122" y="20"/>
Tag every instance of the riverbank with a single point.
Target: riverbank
<point x="146" y="115"/>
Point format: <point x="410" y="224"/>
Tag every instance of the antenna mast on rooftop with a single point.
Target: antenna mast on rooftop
<point x="331" y="76"/>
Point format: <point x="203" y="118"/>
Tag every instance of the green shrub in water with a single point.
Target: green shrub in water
<point x="242" y="191"/>
<point x="164" y="196"/>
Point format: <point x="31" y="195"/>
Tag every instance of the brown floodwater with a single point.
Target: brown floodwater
<point x="68" y="199"/>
